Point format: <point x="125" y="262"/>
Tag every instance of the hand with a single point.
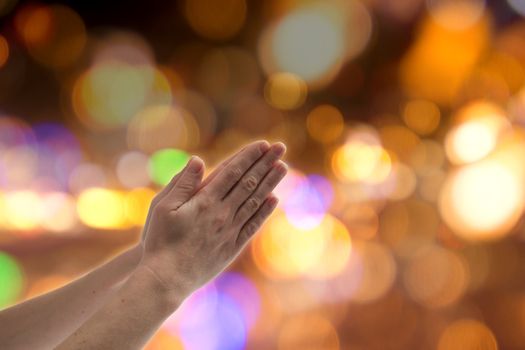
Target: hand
<point x="195" y="232"/>
<point x="158" y="197"/>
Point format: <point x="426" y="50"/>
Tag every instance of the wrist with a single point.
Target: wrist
<point x="157" y="287"/>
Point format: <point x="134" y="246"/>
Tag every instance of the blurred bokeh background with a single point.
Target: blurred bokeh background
<point x="400" y="224"/>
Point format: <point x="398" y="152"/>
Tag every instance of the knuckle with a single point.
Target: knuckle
<point x="221" y="218"/>
<point x="185" y="186"/>
<point x="234" y="172"/>
<point x="162" y="208"/>
<point x="250" y="183"/>
<point x="203" y="204"/>
<point x="252" y="203"/>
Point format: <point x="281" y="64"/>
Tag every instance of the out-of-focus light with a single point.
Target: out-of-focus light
<point x="456" y="15"/>
<point x="337" y="248"/>
<point x="466" y="334"/>
<point x="164" y="164"/>
<point x="216" y="19"/>
<point x="289" y="184"/>
<point x="409" y="225"/>
<point x="58" y="151"/>
<point x="477" y="133"/>
<point x="436" y="277"/>
<point x="470" y="142"/>
<point x="132" y="169"/>
<point x="427" y="158"/>
<point x="24" y="210"/>
<point x="404" y="182"/>
<point x="325" y="123"/>
<point x="482" y="201"/>
<point x="284" y="251"/>
<point x="15" y="132"/>
<point x="314" y="40"/>
<point x="227" y="72"/>
<point x="309" y="42"/>
<point x="430" y="185"/>
<point x="55" y="35"/>
<point x="252" y="115"/>
<point x="245" y="294"/>
<point x="59" y="214"/>
<point x="309" y="201"/>
<point x="85" y="176"/>
<point x="20" y="166"/>
<point x="518" y="6"/>
<point x="162" y="126"/>
<point x="285" y="91"/>
<point x="4" y="51"/>
<point x="400" y="140"/>
<point x="430" y="71"/>
<point x="275" y="255"/>
<point x="311" y="331"/>
<point x="163" y="340"/>
<point x="421" y="116"/>
<point x="359" y="161"/>
<point x="209" y="320"/>
<point x="102" y="208"/>
<point x="109" y="94"/>
<point x="11" y="280"/>
<point x="137" y="203"/>
<point x="367" y="276"/>
<point x="362" y="220"/>
<point x="203" y="112"/>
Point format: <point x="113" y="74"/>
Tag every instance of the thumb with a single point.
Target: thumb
<point x="188" y="183"/>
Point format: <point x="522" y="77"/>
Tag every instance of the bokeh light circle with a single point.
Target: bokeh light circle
<point x="11" y="280"/>
<point x="216" y="19"/>
<point x="165" y="164"/>
<point x="436" y="277"/>
<point x="102" y="208"/>
<point x="482" y="201"/>
<point x="467" y="334"/>
<point x="285" y="91"/>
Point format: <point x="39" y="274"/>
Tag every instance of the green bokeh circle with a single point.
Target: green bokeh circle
<point x="11" y="280"/>
<point x="164" y="164"/>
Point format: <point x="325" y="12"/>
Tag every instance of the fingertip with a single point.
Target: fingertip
<point x="196" y="164"/>
<point x="279" y="148"/>
<point x="264" y="145"/>
<point x="273" y="200"/>
<point x="281" y="166"/>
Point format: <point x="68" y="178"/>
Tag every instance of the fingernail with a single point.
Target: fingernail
<point x="279" y="148"/>
<point x="273" y="201"/>
<point x="282" y="166"/>
<point x="195" y="164"/>
<point x="264" y="146"/>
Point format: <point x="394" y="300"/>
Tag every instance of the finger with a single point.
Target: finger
<point x="253" y="177"/>
<point x="228" y="177"/>
<point x="256" y="221"/>
<point x="159" y="196"/>
<point x="218" y="169"/>
<point x="187" y="184"/>
<point x="252" y="204"/>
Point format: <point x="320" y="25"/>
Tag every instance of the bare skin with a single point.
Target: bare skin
<point x="194" y="230"/>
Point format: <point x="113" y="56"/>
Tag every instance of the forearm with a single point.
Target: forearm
<point x="129" y="318"/>
<point x="44" y="321"/>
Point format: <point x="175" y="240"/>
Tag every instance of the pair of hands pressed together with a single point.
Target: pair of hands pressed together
<point x="195" y="229"/>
